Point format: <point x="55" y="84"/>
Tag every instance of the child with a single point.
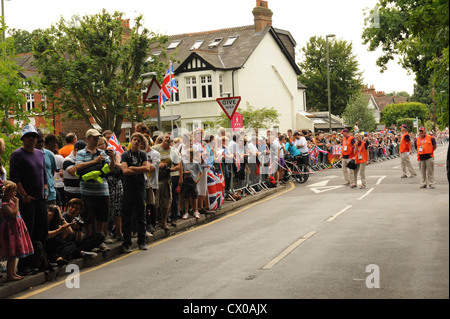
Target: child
<point x="15" y="241"/>
<point x="192" y="173"/>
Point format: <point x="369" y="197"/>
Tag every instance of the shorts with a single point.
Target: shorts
<point x="202" y="184"/>
<point x="163" y="196"/>
<point x="150" y="200"/>
<point x="189" y="189"/>
<point x="95" y="208"/>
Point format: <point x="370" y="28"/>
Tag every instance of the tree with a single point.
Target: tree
<point x="23" y="39"/>
<point x="255" y="118"/>
<point x="11" y="87"/>
<point x="392" y="112"/>
<point x="357" y="110"/>
<point x="345" y="78"/>
<point x="91" y="67"/>
<point x="417" y="32"/>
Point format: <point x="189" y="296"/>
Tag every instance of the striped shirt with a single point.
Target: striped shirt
<point x="92" y="188"/>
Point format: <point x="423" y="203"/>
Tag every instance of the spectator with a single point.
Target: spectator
<point x="170" y="161"/>
<point x="58" y="249"/>
<point x="91" y="161"/>
<point x="71" y="181"/>
<point x="15" y="241"/>
<point x="115" y="188"/>
<point x="154" y="159"/>
<point x="71" y="139"/>
<point x="27" y="170"/>
<point x="192" y="173"/>
<point x="134" y="166"/>
<point x="50" y="168"/>
<point x="175" y="176"/>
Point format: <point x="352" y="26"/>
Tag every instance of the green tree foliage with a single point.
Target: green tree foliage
<point x="357" y="110"/>
<point x="11" y="86"/>
<point x="345" y="78"/>
<point x="23" y="39"/>
<point x="393" y="112"/>
<point x="256" y="118"/>
<point x="90" y="67"/>
<point x="418" y="32"/>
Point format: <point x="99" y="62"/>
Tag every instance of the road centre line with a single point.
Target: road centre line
<point x="367" y="193"/>
<point x="288" y="250"/>
<point x="63" y="281"/>
<point x="330" y="219"/>
<point x="379" y="180"/>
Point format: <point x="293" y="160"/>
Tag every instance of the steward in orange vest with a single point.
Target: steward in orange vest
<point x="425" y="146"/>
<point x="361" y="156"/>
<point x="405" y="149"/>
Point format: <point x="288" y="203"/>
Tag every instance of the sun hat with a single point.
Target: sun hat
<point x="29" y="129"/>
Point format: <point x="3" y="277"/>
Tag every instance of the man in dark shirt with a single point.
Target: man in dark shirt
<point x="134" y="165"/>
<point x="27" y="170"/>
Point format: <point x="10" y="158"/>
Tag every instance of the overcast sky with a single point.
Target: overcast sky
<point x="302" y="18"/>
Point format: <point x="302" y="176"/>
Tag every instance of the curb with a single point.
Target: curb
<point x="8" y="289"/>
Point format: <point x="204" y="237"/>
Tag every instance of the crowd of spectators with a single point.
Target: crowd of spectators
<point x="77" y="199"/>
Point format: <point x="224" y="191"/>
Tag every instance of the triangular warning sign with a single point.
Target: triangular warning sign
<point x="229" y="105"/>
<point x="151" y="96"/>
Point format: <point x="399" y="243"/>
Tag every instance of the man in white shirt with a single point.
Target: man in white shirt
<point x="302" y="145"/>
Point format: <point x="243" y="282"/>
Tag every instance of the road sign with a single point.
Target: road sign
<point x="151" y="96"/>
<point x="237" y="121"/>
<point x="229" y="105"/>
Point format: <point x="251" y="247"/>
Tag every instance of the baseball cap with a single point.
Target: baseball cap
<point x="422" y="128"/>
<point x="404" y="126"/>
<point x="344" y="130"/>
<point x="92" y="132"/>
<point x="29" y="129"/>
<point x="79" y="145"/>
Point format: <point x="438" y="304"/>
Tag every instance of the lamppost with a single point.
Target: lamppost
<point x="3" y="15"/>
<point x="328" y="78"/>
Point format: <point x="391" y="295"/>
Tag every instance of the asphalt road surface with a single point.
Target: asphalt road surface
<point x="318" y="240"/>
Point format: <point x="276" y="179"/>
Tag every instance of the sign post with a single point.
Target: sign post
<point x="229" y="105"/>
<point x="151" y="96"/>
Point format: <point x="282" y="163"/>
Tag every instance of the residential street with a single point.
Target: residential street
<point x="314" y="240"/>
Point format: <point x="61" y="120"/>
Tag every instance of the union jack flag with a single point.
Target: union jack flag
<point x="168" y="86"/>
<point x="216" y="187"/>
<point x="115" y="144"/>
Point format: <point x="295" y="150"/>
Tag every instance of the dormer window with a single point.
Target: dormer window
<point x="215" y="43"/>
<point x="230" y="41"/>
<point x="174" y="44"/>
<point x="197" y="45"/>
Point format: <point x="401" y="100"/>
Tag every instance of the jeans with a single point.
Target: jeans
<point x="133" y="203"/>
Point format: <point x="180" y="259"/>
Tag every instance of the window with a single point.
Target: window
<point x="215" y="43"/>
<point x="230" y="41"/>
<point x="191" y="88"/>
<point x="220" y="85"/>
<point x="206" y="85"/>
<point x="174" y="44"/>
<point x="30" y="101"/>
<point x="175" y="97"/>
<point x="197" y="45"/>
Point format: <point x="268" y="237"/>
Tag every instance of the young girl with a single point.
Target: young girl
<point x="15" y="241"/>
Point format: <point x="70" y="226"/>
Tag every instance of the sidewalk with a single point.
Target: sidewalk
<point x="8" y="289"/>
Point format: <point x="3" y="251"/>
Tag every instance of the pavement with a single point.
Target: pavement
<point x="11" y="288"/>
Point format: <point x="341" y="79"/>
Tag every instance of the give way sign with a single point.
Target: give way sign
<point x="229" y="105"/>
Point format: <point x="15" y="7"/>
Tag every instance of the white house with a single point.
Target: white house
<point x="255" y="62"/>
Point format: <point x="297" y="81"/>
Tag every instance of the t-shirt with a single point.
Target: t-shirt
<point x="134" y="159"/>
<point x="93" y="188"/>
<point x="29" y="170"/>
<point x="193" y="167"/>
<point x="168" y="156"/>
<point x="50" y="168"/>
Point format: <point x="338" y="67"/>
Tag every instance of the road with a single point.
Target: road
<point x="314" y="240"/>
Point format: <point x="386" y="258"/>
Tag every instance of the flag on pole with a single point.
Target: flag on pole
<point x="168" y="86"/>
<point x="115" y="144"/>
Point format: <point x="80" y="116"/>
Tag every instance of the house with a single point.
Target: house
<point x="379" y="100"/>
<point x="255" y="62"/>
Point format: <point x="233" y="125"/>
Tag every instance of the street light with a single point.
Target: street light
<point x="328" y="78"/>
<point x="153" y="74"/>
<point x="3" y="15"/>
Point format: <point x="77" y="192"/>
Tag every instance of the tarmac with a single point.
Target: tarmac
<point x="11" y="288"/>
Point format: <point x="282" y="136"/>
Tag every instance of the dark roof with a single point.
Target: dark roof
<point x="225" y="57"/>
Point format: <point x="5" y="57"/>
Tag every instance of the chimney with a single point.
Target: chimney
<point x="262" y="14"/>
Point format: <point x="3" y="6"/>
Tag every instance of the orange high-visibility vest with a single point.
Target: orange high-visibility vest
<point x="404" y="145"/>
<point x="347" y="147"/>
<point x="424" y="146"/>
<point x="361" y="153"/>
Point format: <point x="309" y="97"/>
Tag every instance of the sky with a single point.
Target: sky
<point x="302" y="18"/>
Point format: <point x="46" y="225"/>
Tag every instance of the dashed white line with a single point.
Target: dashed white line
<point x="339" y="213"/>
<point x="367" y="193"/>
<point x="288" y="250"/>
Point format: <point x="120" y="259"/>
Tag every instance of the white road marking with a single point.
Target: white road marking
<point x="339" y="213"/>
<point x="367" y="193"/>
<point x="288" y="250"/>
